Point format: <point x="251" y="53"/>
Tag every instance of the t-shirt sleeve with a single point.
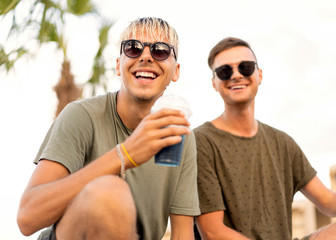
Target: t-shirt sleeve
<point x="209" y="188"/>
<point x="185" y="201"/>
<point x="69" y="138"/>
<point x="302" y="170"/>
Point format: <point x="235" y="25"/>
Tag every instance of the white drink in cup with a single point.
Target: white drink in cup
<point x="171" y="155"/>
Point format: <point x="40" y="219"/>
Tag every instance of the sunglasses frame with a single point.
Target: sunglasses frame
<point x="255" y="65"/>
<point x="150" y="45"/>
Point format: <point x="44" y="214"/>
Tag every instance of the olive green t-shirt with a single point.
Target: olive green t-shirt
<point x="87" y="129"/>
<point x="252" y="179"/>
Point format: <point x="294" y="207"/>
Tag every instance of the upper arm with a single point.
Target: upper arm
<point x="209" y="180"/>
<point x="185" y="200"/>
<point x="34" y="202"/>
<point x="182" y="227"/>
<point x="208" y="224"/>
<point x="321" y="196"/>
<point x="211" y="226"/>
<point x="69" y="139"/>
<point x="47" y="171"/>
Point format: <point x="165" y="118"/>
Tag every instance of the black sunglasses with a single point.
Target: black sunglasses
<point x="134" y="48"/>
<point x="246" y="68"/>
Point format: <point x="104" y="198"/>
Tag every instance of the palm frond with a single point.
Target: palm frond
<point x="80" y="7"/>
<point x="7" y="5"/>
<point x="8" y="60"/>
<point x="98" y="77"/>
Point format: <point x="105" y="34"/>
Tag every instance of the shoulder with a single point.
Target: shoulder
<point x="208" y="132"/>
<point x="93" y="107"/>
<point x="208" y="138"/>
<point x="203" y="129"/>
<point x="83" y="111"/>
<point x="97" y="103"/>
<point x="264" y="128"/>
<point x="277" y="135"/>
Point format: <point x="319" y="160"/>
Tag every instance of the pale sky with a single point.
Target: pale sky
<point x="294" y="42"/>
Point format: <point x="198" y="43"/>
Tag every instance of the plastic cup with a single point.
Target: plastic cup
<point x="171" y="155"/>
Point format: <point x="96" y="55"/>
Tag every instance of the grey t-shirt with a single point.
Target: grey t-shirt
<point x="252" y="179"/>
<point x="87" y="129"/>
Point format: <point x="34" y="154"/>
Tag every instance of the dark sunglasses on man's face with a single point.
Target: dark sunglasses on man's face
<point x="246" y="68"/>
<point x="134" y="48"/>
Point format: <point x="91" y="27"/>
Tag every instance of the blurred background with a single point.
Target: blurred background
<point x="73" y="46"/>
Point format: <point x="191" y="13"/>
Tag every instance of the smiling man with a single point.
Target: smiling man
<point x="248" y="172"/>
<point x="76" y="188"/>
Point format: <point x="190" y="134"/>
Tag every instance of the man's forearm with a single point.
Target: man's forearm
<point x="182" y="227"/>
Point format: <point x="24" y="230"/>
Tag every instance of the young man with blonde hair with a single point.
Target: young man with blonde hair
<point x="248" y="172"/>
<point x="76" y="188"/>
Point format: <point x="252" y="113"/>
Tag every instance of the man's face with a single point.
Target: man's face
<point x="238" y="89"/>
<point x="145" y="78"/>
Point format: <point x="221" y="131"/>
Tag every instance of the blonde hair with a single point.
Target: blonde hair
<point x="154" y="27"/>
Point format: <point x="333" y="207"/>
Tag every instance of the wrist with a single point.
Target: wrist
<point x="122" y="159"/>
<point x="128" y="157"/>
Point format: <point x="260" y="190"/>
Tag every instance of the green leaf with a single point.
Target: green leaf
<point x="7" y="5"/>
<point x="8" y="59"/>
<point x="3" y="56"/>
<point x="80" y="7"/>
<point x="48" y="33"/>
<point x="103" y="34"/>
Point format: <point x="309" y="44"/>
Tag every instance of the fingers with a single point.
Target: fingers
<point x="172" y="130"/>
<point x="156" y="131"/>
<point x="164" y="124"/>
<point x="166" y="117"/>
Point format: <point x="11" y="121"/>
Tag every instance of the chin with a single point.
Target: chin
<point x="144" y="98"/>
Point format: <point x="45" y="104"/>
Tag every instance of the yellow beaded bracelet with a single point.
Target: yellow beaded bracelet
<point x="129" y="157"/>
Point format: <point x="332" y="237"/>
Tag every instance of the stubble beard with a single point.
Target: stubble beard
<point x="144" y="99"/>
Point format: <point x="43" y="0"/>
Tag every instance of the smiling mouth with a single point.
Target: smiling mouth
<point x="146" y="75"/>
<point x="237" y="87"/>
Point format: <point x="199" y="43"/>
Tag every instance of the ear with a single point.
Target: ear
<point x="260" y="75"/>
<point x="176" y="73"/>
<point x="117" y="66"/>
<point x="214" y="84"/>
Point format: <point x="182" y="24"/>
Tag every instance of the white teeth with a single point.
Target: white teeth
<point x="238" y="87"/>
<point x="145" y="74"/>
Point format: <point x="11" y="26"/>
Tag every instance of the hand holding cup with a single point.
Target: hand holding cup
<point x="171" y="155"/>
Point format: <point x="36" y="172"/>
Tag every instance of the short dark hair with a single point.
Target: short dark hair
<point x="225" y="44"/>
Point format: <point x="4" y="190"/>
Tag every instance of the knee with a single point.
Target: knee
<point x="108" y="192"/>
<point x="107" y="185"/>
<point x="98" y="208"/>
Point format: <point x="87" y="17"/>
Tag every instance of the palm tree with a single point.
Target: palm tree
<point x="45" y="20"/>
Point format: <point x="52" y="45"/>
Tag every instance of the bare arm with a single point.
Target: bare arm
<point x="51" y="188"/>
<point x="182" y="227"/>
<point x="211" y="227"/>
<point x="321" y="196"/>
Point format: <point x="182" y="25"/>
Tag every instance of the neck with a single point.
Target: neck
<point x="130" y="111"/>
<point x="238" y="121"/>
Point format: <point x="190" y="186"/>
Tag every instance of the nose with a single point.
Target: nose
<point x="146" y="55"/>
<point x="235" y="73"/>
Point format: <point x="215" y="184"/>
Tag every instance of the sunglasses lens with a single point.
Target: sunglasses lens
<point x="160" y="51"/>
<point x="224" y="72"/>
<point x="246" y="68"/>
<point x="133" y="48"/>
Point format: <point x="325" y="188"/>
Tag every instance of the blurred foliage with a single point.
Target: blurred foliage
<point x="7" y="5"/>
<point x="44" y="21"/>
<point x="80" y="7"/>
<point x="8" y="59"/>
<point x="98" y="69"/>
